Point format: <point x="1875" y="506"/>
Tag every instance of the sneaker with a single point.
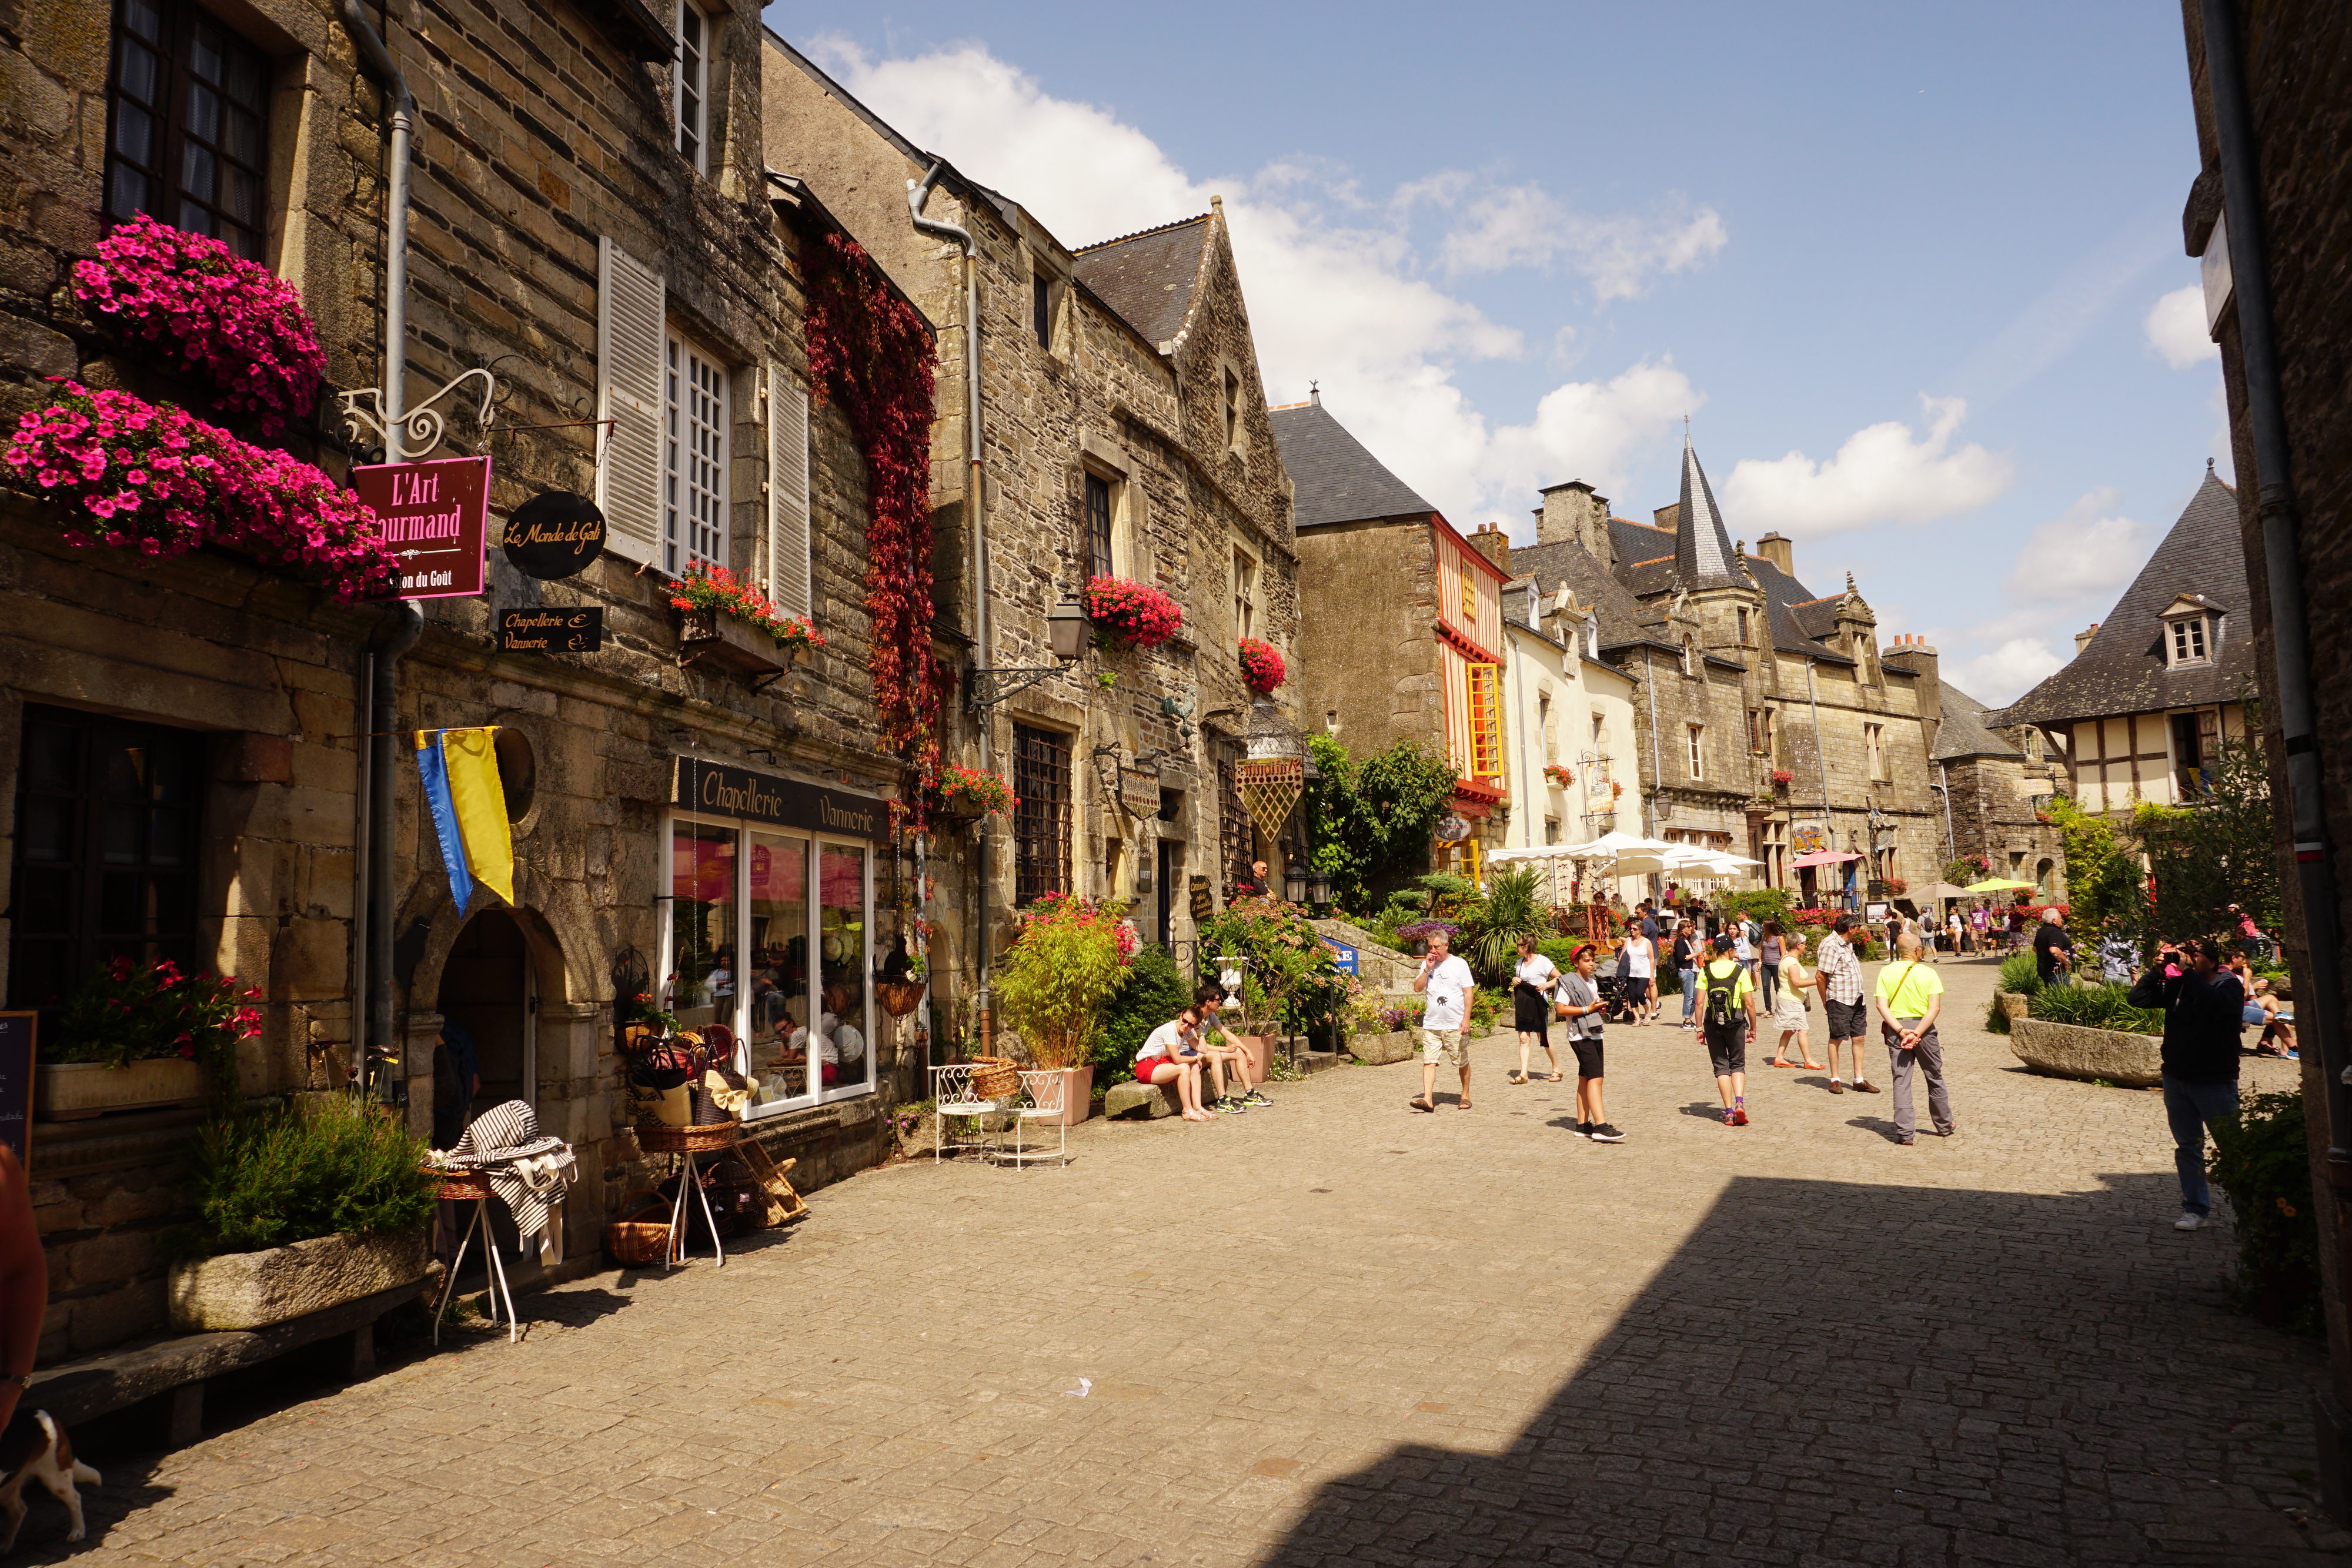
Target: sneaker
<point x="1728" y="1121"/>
<point x="1606" y="1132"/>
<point x="1254" y="1098"/>
<point x="1584" y="1129"/>
<point x="1739" y="1114"/>
<point x="2188" y="1221"/>
<point x="1229" y="1106"/>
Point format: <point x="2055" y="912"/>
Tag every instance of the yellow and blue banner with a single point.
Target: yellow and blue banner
<point x="469" y="805"/>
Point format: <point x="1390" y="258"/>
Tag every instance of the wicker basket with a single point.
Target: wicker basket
<point x="785" y="1204"/>
<point x="660" y="1140"/>
<point x="462" y="1186"/>
<point x="899" y="998"/>
<point x="636" y="1242"/>
<point x="994" y="1077"/>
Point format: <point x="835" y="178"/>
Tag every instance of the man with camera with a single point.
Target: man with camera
<point x="2202" y="1003"/>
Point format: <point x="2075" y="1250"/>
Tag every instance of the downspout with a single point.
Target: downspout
<point x="2233" y="135"/>
<point x="409" y="624"/>
<point x="918" y="194"/>
<point x="1657" y="767"/>
<point x="1828" y="818"/>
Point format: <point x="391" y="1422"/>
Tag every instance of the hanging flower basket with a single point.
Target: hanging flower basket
<point x="1782" y="778"/>
<point x="1558" y="775"/>
<point x="208" y="314"/>
<point x="1261" y="666"/>
<point x="132" y="475"/>
<point x="972" y="793"/>
<point x="1132" y="614"/>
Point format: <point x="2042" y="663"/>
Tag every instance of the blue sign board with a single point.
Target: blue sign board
<point x="1343" y="954"/>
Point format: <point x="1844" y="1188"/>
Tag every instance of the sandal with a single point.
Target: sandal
<point x="1776" y="1061"/>
<point x="1517" y="1078"/>
<point x="1818" y="1066"/>
<point x="1421" y="1104"/>
<point x="1557" y="1078"/>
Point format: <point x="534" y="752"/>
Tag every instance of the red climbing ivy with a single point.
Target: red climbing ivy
<point x="870" y="353"/>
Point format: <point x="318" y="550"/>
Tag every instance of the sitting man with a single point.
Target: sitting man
<point x="1231" y="1055"/>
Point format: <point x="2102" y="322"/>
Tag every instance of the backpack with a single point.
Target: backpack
<point x="1718" y="995"/>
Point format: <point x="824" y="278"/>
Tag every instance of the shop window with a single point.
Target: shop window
<point x="1099" y="554"/>
<point x="691" y="82"/>
<point x="694" y="459"/>
<point x="187" y="123"/>
<point x="845" y="1061"/>
<point x="779" y="1006"/>
<point x="1041" y="823"/>
<point x="108" y="822"/>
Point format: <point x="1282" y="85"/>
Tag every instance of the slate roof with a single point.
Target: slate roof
<point x="1630" y="541"/>
<point x="1569" y="565"/>
<point x="1965" y="731"/>
<point x="1703" y="557"/>
<point x="2122" y="669"/>
<point x="1148" y="278"/>
<point x="1337" y="480"/>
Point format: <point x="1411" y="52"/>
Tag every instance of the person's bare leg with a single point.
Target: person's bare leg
<point x="1216" y="1073"/>
<point x="1428" y="1082"/>
<point x="1723" y="1087"/>
<point x="1551" y="1056"/>
<point x="1527" y="1050"/>
<point x="1188" y="1089"/>
<point x="1465" y="1086"/>
<point x="1588" y="1101"/>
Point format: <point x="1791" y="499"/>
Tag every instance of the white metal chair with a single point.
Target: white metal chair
<point x="952" y="1095"/>
<point x="1040" y="1098"/>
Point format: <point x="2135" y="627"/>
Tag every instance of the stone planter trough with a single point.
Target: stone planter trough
<point x="71" y="1090"/>
<point x="255" y="1290"/>
<point x="1381" y="1050"/>
<point x="2070" y="1051"/>
<point x="2015" y="1006"/>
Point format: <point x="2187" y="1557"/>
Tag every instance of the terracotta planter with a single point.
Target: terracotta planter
<point x="73" y="1091"/>
<point x="1077" y="1097"/>
<point x="255" y="1290"/>
<point x="1260" y="1049"/>
<point x="714" y="638"/>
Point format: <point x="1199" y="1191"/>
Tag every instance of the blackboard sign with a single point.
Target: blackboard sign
<point x="554" y="535"/>
<point x="551" y="629"/>
<point x="17" y="1084"/>
<point x="1203" y="908"/>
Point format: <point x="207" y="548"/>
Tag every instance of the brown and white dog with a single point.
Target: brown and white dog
<point x="37" y="1448"/>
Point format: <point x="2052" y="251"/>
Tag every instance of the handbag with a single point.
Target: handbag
<point x="1887" y="1031"/>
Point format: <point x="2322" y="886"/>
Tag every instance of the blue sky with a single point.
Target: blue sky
<point x="1898" y="265"/>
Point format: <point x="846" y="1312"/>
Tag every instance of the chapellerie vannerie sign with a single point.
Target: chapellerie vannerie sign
<point x="719" y="791"/>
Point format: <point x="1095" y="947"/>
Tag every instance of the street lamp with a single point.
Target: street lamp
<point x="1065" y="638"/>
<point x="1294" y="881"/>
<point x="1319" y="891"/>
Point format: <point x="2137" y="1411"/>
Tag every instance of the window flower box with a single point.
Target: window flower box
<point x="1558" y="775"/>
<point x="968" y="794"/>
<point x="1132" y="614"/>
<point x="728" y="622"/>
<point x="74" y="1090"/>
<point x="718" y="640"/>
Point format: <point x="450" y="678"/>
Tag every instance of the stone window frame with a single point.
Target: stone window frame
<point x="1054" y="343"/>
<point x="1246" y="581"/>
<point x="689" y="83"/>
<point x="178" y="23"/>
<point x="1045" y="823"/>
<point x="1695" y="735"/>
<point x="1873" y="745"/>
<point x="681" y="350"/>
<point x="1106" y="461"/>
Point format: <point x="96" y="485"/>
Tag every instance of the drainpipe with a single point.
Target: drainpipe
<point x="409" y="623"/>
<point x="918" y="194"/>
<point x="1657" y="767"/>
<point x="1828" y="818"/>
<point x="2290" y="627"/>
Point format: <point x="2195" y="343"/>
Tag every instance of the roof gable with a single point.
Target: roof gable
<point x="1337" y="479"/>
<point x="1150" y="279"/>
<point x="1965" y="729"/>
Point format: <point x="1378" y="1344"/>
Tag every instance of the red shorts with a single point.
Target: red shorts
<point x="1149" y="1064"/>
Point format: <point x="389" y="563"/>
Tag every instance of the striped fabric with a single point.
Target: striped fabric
<point x="528" y="1172"/>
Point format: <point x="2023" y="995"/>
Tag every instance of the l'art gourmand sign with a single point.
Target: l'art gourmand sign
<point x="434" y="518"/>
<point x="716" y="789"/>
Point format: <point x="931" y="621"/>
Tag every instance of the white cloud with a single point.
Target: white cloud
<point x="1333" y="277"/>
<point x="2079" y="555"/>
<point x="1885" y="473"/>
<point x="2006" y="673"/>
<point x="2175" y="326"/>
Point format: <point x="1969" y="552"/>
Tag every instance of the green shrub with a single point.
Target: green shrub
<point x="1996" y="1020"/>
<point x="1155" y="991"/>
<point x="1053" y="982"/>
<point x="269" y="1178"/>
<point x="2096" y="1006"/>
<point x="2020" y="975"/>
<point x="2263" y="1161"/>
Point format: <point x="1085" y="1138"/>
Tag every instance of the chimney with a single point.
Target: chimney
<point x="1493" y="544"/>
<point x="1573" y="513"/>
<point x="1669" y="518"/>
<point x="2083" y="638"/>
<point x="1776" y="548"/>
<point x="1911" y="653"/>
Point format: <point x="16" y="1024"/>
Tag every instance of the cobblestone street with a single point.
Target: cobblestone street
<point x="1336" y="1332"/>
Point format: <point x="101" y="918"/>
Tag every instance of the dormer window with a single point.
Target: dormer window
<point x="2192" y="627"/>
<point x="1592" y="638"/>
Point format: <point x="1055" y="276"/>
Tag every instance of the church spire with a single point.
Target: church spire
<point x="1703" y="556"/>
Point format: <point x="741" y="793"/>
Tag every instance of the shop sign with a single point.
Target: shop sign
<point x="557" y="533"/>
<point x="434" y="518"/>
<point x="1203" y="905"/>
<point x="559" y="629"/>
<point x="16" y="1083"/>
<point x="1808" y="838"/>
<point x="719" y="791"/>
<point x="1138" y="792"/>
<point x="1343" y="957"/>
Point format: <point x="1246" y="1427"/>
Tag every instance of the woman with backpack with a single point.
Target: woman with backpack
<point x="1727" y="1014"/>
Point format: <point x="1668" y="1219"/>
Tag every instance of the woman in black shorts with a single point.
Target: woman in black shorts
<point x="1531" y="987"/>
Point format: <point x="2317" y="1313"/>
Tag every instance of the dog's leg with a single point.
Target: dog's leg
<point x="84" y="1476"/>
<point x="14" y="1506"/>
<point x="62" y="1487"/>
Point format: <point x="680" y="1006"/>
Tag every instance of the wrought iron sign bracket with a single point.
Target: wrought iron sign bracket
<point x="424" y="424"/>
<point x="988" y="688"/>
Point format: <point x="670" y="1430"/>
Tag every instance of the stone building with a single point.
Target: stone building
<point x="183" y="738"/>
<point x="2267" y="86"/>
<point x="1401" y="631"/>
<point x="2156" y="687"/>
<point x="1123" y="435"/>
<point x="1997" y="782"/>
<point x="1745" y="675"/>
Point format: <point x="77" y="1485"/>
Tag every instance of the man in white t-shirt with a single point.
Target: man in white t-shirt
<point x="1447" y="982"/>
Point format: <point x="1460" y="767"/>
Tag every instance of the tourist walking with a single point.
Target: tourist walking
<point x="1580" y="1004"/>
<point x="1841" y="983"/>
<point x="1532" y="983"/>
<point x="1447" y="982"/>
<point x="1637" y="967"/>
<point x="1770" y="951"/>
<point x="2054" y="951"/>
<point x="1728" y="1024"/>
<point x="1952" y="929"/>
<point x="1910" y="996"/>
<point x="1685" y="961"/>
<point x="1793" y="1015"/>
<point x="2202" y="1004"/>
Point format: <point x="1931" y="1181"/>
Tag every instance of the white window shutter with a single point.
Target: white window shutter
<point x="629" y="325"/>
<point x="788" y="494"/>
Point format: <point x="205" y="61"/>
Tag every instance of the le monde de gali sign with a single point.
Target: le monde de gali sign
<point x="716" y="789"/>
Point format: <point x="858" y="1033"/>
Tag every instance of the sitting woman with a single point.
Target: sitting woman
<point x="1171" y="1055"/>
<point x="845" y="1050"/>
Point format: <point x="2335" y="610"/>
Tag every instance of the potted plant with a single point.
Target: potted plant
<point x="1558" y="775"/>
<point x="1261" y="666"/>
<point x="972" y="793"/>
<point x="1292" y="979"/>
<point x="135" y="1036"/>
<point x="1131" y="614"/>
<point x="732" y="624"/>
<point x="298" y="1209"/>
<point x="1782" y="778"/>
<point x="1068" y="957"/>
